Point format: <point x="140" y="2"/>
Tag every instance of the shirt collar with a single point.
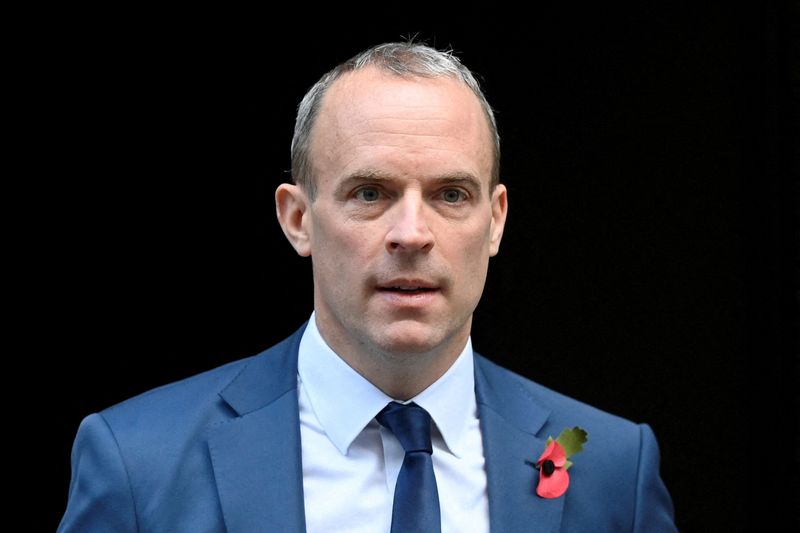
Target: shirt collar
<point x="450" y="400"/>
<point x="345" y="402"/>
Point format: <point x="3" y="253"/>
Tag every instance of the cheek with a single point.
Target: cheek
<point x="339" y="248"/>
<point x="469" y="252"/>
<point x="476" y="240"/>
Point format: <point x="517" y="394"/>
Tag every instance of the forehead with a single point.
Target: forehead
<point x="369" y="114"/>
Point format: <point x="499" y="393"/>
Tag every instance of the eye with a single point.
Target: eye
<point x="453" y="196"/>
<point x="368" y="194"/>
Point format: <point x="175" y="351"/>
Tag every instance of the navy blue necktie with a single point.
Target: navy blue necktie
<point x="416" y="499"/>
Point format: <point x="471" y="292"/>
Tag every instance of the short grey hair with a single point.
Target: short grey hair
<point x="402" y="59"/>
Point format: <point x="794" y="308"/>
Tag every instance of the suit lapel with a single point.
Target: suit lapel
<point x="256" y="456"/>
<point x="510" y="420"/>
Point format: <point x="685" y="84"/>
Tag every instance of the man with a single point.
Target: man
<point x="397" y="201"/>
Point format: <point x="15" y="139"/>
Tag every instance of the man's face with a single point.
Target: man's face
<point x="403" y="222"/>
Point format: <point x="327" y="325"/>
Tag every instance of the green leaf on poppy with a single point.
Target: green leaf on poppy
<point x="567" y="464"/>
<point x="572" y="440"/>
<point x="549" y="440"/>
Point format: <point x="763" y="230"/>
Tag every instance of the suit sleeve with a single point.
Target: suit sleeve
<point x="654" y="510"/>
<point x="100" y="493"/>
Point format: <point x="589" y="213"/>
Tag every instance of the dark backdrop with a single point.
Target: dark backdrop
<point x="647" y="266"/>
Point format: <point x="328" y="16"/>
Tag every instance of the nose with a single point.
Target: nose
<point x="409" y="231"/>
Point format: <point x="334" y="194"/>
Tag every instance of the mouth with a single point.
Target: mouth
<point x="408" y="287"/>
<point x="406" y="290"/>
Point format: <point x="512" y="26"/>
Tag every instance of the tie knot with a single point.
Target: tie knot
<point x="410" y="423"/>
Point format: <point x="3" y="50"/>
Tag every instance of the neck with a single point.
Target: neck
<point x="403" y="376"/>
<point x="400" y="375"/>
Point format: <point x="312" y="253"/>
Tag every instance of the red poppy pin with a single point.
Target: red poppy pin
<point x="554" y="462"/>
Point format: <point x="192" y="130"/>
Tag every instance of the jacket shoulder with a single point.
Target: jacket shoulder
<point x="193" y="403"/>
<point x="563" y="411"/>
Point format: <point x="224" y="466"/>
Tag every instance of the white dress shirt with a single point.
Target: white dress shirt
<point x="351" y="463"/>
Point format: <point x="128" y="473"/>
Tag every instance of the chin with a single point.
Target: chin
<point x="407" y="348"/>
<point x="409" y="339"/>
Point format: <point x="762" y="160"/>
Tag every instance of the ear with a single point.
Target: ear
<point x="499" y="213"/>
<point x="291" y="206"/>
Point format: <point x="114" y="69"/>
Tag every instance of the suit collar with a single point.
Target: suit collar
<point x="256" y="456"/>
<point x="510" y="423"/>
<point x="266" y="377"/>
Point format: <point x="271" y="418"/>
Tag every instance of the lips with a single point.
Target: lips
<point x="408" y="286"/>
<point x="409" y="294"/>
<point x="406" y="290"/>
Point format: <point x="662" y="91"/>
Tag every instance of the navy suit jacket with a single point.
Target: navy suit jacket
<point x="220" y="451"/>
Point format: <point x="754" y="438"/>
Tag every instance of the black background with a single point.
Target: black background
<point x="648" y="265"/>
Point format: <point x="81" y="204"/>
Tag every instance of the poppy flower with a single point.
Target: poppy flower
<point x="553" y="476"/>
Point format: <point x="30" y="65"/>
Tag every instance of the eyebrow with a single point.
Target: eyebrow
<point x="370" y="175"/>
